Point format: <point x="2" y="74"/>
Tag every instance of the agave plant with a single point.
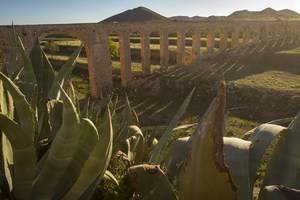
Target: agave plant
<point x="36" y="111"/>
<point x="207" y="165"/>
<point x="130" y="138"/>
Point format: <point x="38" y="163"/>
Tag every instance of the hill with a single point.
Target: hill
<point x="139" y="14"/>
<point x="267" y="14"/>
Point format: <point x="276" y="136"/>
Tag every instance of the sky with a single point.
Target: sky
<point x="82" y="11"/>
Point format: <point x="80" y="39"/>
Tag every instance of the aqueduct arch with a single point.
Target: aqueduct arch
<point x="95" y="37"/>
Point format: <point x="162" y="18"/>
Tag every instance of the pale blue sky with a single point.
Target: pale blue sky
<point x="78" y="11"/>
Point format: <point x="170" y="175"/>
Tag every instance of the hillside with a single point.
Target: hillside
<point x="268" y="14"/>
<point x="139" y="14"/>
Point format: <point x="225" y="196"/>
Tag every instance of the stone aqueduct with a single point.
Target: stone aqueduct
<point x="95" y="39"/>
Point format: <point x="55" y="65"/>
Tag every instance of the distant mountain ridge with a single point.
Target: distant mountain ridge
<point x="142" y="14"/>
<point x="139" y="14"/>
<point x="268" y="14"/>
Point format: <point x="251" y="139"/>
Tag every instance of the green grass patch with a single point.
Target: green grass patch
<point x="237" y="127"/>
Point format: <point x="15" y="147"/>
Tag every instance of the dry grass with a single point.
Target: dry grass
<point x="136" y="67"/>
<point x="276" y="80"/>
<point x="295" y="51"/>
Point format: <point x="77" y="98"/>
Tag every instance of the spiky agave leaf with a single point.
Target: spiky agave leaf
<point x="135" y="144"/>
<point x="284" y="166"/>
<point x="95" y="167"/>
<point x="158" y="149"/>
<point x="23" y="109"/>
<point x="63" y="74"/>
<point x="261" y="139"/>
<point x="278" y="192"/>
<point x="110" y="177"/>
<point x="60" y="154"/>
<point x="150" y="182"/>
<point x="205" y="160"/>
<point x="236" y="157"/>
<point x="176" y="156"/>
<point x="29" y="75"/>
<point x="6" y="107"/>
<point x="127" y="118"/>
<point x="43" y="69"/>
<point x="12" y="64"/>
<point x="21" y="136"/>
<point x="87" y="141"/>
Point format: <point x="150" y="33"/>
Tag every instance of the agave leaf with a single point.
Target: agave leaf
<point x="113" y="112"/>
<point x="64" y="74"/>
<point x="85" y="111"/>
<point x="24" y="157"/>
<point x="43" y="69"/>
<point x="236" y="157"/>
<point x="121" y="122"/>
<point x="55" y="108"/>
<point x="6" y="157"/>
<point x="280" y="122"/>
<point x="127" y="118"/>
<point x="157" y="151"/>
<point x="11" y="130"/>
<point x="278" y="192"/>
<point x="295" y="122"/>
<point x="6" y="102"/>
<point x="284" y="166"/>
<point x="60" y="154"/>
<point x="7" y="163"/>
<point x="135" y="144"/>
<point x="12" y="64"/>
<point x="110" y="177"/>
<point x="34" y="100"/>
<point x="87" y="141"/>
<point x="150" y="182"/>
<point x="24" y="111"/>
<point x="29" y="76"/>
<point x="72" y="95"/>
<point x="205" y="160"/>
<point x="95" y="167"/>
<point x="261" y="139"/>
<point x="45" y="75"/>
<point x="21" y="136"/>
<point x="88" y="193"/>
<point x="177" y="154"/>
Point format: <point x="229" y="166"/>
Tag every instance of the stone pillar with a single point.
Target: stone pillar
<point x="164" y="49"/>
<point x="210" y="43"/>
<point x="99" y="64"/>
<point x="235" y="39"/>
<point x="145" y="53"/>
<point x="223" y="41"/>
<point x="180" y="47"/>
<point x="246" y="37"/>
<point x="125" y="59"/>
<point x="264" y="33"/>
<point x="255" y="37"/>
<point x="196" y="45"/>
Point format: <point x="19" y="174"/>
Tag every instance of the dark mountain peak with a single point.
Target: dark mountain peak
<point x="139" y="14"/>
<point x="268" y="10"/>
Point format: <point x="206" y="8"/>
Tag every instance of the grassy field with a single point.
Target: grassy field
<point x="278" y="81"/>
<point x="295" y="51"/>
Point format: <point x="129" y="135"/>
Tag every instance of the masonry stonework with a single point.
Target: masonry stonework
<point x="95" y="38"/>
